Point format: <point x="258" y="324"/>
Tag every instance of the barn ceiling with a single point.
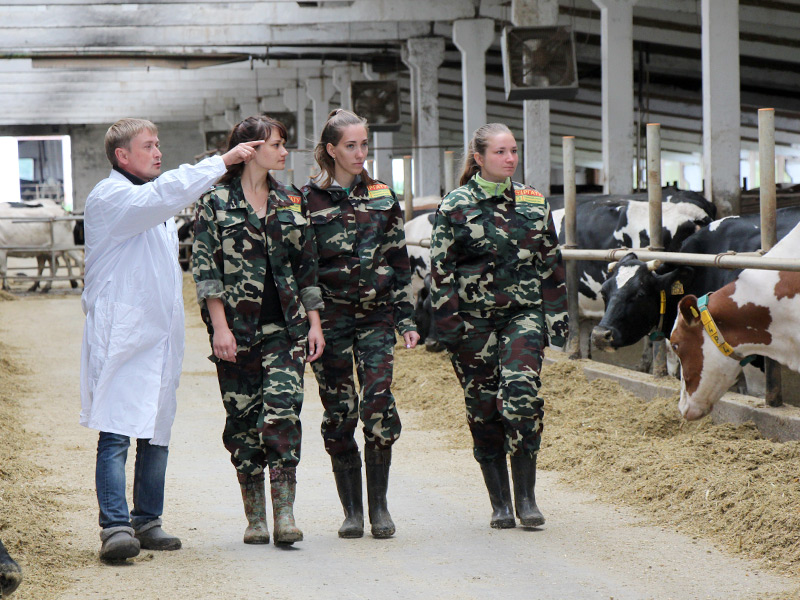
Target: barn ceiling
<point x="83" y="62"/>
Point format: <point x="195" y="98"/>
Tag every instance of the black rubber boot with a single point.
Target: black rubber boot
<point x="377" y="464"/>
<point x="347" y="472"/>
<point x="495" y="475"/>
<point x="523" y="469"/>
<point x="10" y="573"/>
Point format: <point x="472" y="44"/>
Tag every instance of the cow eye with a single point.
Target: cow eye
<point x="674" y="347"/>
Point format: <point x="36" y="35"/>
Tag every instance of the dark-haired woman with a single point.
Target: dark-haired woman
<point x="256" y="273"/>
<point x="365" y="278"/>
<point x="499" y="298"/>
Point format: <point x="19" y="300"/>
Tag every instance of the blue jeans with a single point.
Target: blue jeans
<point x="148" y="481"/>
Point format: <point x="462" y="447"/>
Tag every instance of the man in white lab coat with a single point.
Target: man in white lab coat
<point x="133" y="337"/>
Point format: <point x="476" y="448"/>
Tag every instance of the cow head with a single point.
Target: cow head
<point x="706" y="373"/>
<point x="632" y="296"/>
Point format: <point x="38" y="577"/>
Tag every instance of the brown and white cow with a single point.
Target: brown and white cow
<point x="757" y="313"/>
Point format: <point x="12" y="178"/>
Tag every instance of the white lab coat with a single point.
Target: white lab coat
<point x="133" y="338"/>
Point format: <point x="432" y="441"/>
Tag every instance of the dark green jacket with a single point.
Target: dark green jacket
<point x="231" y="253"/>
<point x="492" y="253"/>
<point x="362" y="248"/>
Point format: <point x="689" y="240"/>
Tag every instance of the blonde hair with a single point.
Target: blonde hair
<point x="478" y="143"/>
<point x="120" y="134"/>
<point x="332" y="133"/>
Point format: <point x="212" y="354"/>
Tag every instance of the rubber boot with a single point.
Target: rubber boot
<point x="523" y="469"/>
<point x="495" y="475"/>
<point x="10" y="573"/>
<point x="377" y="463"/>
<point x="283" y="483"/>
<point x="255" y="509"/>
<point x="347" y="472"/>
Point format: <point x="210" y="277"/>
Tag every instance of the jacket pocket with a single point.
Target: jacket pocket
<point x="469" y="231"/>
<point x="529" y="229"/>
<point x="334" y="237"/>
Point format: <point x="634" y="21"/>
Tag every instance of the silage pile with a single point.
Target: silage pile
<point x="722" y="482"/>
<point x="28" y="508"/>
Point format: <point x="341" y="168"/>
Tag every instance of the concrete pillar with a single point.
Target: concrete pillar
<point x="721" y="104"/>
<point x="413" y="97"/>
<point x="342" y="76"/>
<point x="302" y="160"/>
<point x="616" y="23"/>
<point x="382" y="143"/>
<point x="535" y="113"/>
<point x="473" y="38"/>
<point x="319" y="90"/>
<point x="425" y="55"/>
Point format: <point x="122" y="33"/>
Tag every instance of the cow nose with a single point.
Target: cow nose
<point x="602" y="338"/>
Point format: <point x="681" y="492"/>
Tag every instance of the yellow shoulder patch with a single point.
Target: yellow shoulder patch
<point x="531" y="196"/>
<point x="379" y="190"/>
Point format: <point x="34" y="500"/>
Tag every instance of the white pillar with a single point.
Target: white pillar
<point x="616" y="24"/>
<point x="296" y="100"/>
<point x="382" y="142"/>
<point x="319" y="90"/>
<point x="473" y="38"/>
<point x="342" y="76"/>
<point x="425" y="55"/>
<point x="721" y="104"/>
<point x="536" y="113"/>
<point x="413" y="97"/>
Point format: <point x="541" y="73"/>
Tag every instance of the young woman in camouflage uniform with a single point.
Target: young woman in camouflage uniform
<point x="499" y="298"/>
<point x="256" y="274"/>
<point x="365" y="278"/>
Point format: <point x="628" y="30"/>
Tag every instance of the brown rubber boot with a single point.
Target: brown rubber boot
<point x="283" y="483"/>
<point x="377" y="462"/>
<point x="495" y="475"/>
<point x="523" y="469"/>
<point x="255" y="509"/>
<point x="347" y="472"/>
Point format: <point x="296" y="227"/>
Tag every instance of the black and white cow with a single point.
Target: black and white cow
<point x="10" y="573"/>
<point x="622" y="222"/>
<point x="632" y="292"/>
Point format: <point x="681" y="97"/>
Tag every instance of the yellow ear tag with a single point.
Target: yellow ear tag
<point x="694" y="311"/>
<point x="676" y="289"/>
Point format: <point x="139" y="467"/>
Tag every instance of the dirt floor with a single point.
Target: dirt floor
<point x="639" y="503"/>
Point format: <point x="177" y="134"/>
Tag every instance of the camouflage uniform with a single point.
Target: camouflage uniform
<point x="499" y="297"/>
<point x="365" y="277"/>
<point x="262" y="392"/>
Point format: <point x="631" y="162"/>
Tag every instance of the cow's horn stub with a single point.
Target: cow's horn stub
<point x="611" y="265"/>
<point x="652" y="265"/>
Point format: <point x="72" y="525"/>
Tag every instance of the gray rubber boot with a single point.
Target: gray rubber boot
<point x="523" y="469"/>
<point x="10" y="573"/>
<point x="377" y="463"/>
<point x="283" y="484"/>
<point x="495" y="475"/>
<point x="347" y="472"/>
<point x="118" y="543"/>
<point x="255" y="509"/>
<point x="152" y="537"/>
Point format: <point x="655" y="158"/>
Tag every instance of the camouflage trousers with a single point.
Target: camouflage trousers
<point x="368" y="339"/>
<point x="263" y="393"/>
<point x="497" y="362"/>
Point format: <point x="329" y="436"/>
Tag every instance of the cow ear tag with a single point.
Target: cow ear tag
<point x="676" y="289"/>
<point x="694" y="312"/>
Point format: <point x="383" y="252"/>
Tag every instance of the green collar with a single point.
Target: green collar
<point x="491" y="188"/>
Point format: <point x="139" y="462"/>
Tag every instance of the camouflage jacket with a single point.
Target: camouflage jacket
<point x="231" y="253"/>
<point x="493" y="253"/>
<point x="361" y="246"/>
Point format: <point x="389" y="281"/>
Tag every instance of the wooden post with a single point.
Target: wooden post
<point x="573" y="344"/>
<point x="408" y="183"/>
<point x="766" y="160"/>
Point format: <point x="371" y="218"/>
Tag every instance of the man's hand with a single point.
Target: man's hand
<point x="244" y="152"/>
